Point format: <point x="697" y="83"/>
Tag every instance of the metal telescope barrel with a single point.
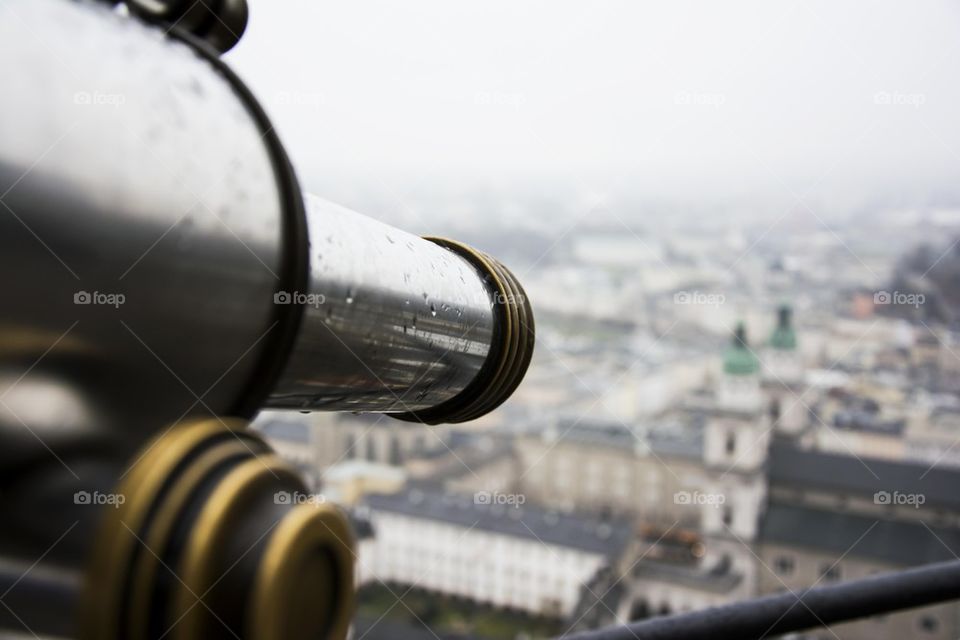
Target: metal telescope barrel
<point x="160" y="266"/>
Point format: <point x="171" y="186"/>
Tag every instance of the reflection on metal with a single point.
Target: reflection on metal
<point x="427" y="327"/>
<point x="390" y="321"/>
<point x="163" y="268"/>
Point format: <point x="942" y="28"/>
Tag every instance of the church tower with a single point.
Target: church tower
<point x="781" y="359"/>
<point x="736" y="438"/>
<point x="740" y="384"/>
<point x="783" y="376"/>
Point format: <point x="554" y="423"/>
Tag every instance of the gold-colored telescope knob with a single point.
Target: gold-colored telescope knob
<point x="218" y="538"/>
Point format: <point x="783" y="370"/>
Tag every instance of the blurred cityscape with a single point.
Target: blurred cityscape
<point x="721" y="405"/>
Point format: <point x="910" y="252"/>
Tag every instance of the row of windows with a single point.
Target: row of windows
<point x="365" y="447"/>
<point x="786" y="565"/>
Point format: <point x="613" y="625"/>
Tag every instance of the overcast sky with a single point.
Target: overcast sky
<point x="666" y="97"/>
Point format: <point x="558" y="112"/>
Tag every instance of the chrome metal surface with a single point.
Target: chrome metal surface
<point x="392" y="322"/>
<point x="139" y="235"/>
<point x="149" y="224"/>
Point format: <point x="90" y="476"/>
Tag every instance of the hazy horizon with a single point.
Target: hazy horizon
<point x="685" y="102"/>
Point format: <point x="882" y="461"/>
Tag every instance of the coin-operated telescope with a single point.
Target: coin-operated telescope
<point x="163" y="279"/>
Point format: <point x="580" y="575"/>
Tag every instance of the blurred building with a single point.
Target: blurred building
<point x="789" y="467"/>
<point x="835" y="517"/>
<point x="346" y="483"/>
<point x="489" y="548"/>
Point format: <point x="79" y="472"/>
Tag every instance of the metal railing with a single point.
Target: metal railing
<point x="773" y="615"/>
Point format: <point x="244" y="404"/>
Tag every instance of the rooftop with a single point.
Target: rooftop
<point x="672" y="438"/>
<point x="720" y="579"/>
<point x="850" y="475"/>
<point x="890" y="541"/>
<point x="607" y="536"/>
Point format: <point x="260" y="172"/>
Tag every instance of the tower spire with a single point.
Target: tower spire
<point x="784" y="338"/>
<point x="739" y="360"/>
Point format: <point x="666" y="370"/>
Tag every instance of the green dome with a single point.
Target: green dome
<point x="738" y="360"/>
<point x="784" y="337"/>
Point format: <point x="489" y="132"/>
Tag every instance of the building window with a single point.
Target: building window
<point x="830" y="572"/>
<point x="351" y="447"/>
<point x="784" y="565"/>
<point x="731" y="444"/>
<point x="639" y="610"/>
<point x="929" y="624"/>
<point x="727" y="515"/>
<point x="775" y="409"/>
<point x="395" y="457"/>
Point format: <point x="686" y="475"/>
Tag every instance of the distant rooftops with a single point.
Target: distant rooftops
<point x="675" y="438"/>
<point x="864" y="477"/>
<point x="720" y="579"/>
<point x="859" y="420"/>
<point x="856" y="412"/>
<point x="837" y="534"/>
<point x="607" y="536"/>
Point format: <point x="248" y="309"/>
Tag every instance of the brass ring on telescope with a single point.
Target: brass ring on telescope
<point x="510" y="352"/>
<point x="526" y="335"/>
<point x="309" y="533"/>
<point x="118" y="541"/>
<point x="161" y="530"/>
<point x="511" y="355"/>
<point x="198" y="570"/>
<point x="201" y="502"/>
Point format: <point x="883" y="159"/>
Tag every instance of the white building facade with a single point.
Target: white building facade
<point x="503" y="555"/>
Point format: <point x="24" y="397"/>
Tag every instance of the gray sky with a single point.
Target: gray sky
<point x="666" y="98"/>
